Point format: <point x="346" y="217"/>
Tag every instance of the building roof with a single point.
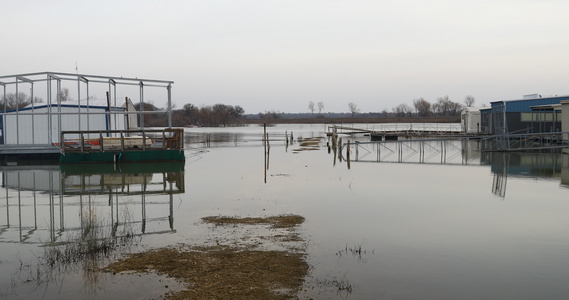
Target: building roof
<point x="525" y="105"/>
<point x="93" y="104"/>
<point x="472" y="109"/>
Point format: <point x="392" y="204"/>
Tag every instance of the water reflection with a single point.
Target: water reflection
<point x="250" y="135"/>
<point x="79" y="215"/>
<point x="57" y="193"/>
<point x="427" y="151"/>
<point x="465" y="152"/>
<point x="553" y="166"/>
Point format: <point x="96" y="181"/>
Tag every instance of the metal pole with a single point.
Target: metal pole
<point x="169" y="105"/>
<point x="17" y="115"/>
<point x="88" y="108"/>
<point x="141" y="125"/>
<point x="59" y="106"/>
<point x="79" y="101"/>
<point x="115" y="104"/>
<point x="49" y="117"/>
<point x="108" y="111"/>
<point x="33" y="116"/>
<point x="4" y="119"/>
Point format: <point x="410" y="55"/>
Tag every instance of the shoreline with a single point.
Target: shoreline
<point x="318" y="120"/>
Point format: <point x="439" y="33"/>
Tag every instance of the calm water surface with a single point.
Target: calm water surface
<point x="477" y="226"/>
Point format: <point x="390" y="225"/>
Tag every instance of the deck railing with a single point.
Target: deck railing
<point x="122" y="140"/>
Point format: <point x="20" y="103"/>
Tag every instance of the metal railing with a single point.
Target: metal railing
<point x="122" y="140"/>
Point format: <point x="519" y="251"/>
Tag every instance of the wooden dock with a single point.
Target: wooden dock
<point x="122" y="146"/>
<point x="110" y="146"/>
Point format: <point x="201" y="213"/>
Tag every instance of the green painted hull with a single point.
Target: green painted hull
<point x="122" y="157"/>
<point x="133" y="168"/>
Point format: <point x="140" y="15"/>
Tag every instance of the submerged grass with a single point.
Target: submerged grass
<point x="282" y="221"/>
<point x="96" y="240"/>
<point x="222" y="272"/>
<point x="231" y="271"/>
<point x="82" y="251"/>
<point x="308" y="144"/>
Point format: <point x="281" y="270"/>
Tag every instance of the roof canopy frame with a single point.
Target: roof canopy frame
<point x="83" y="83"/>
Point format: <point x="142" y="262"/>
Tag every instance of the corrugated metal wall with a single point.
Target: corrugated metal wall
<point x="35" y="129"/>
<point x="524" y="105"/>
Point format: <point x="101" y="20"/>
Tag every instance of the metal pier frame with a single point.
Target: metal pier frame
<point x="50" y="84"/>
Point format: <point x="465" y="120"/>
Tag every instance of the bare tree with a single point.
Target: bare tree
<point x="402" y="110"/>
<point x="469" y="101"/>
<point x="12" y="101"/>
<point x="271" y="114"/>
<point x="445" y="107"/>
<point x="422" y="107"/>
<point x="311" y="106"/>
<point x="353" y="108"/>
<point x="320" y="107"/>
<point x="64" y="95"/>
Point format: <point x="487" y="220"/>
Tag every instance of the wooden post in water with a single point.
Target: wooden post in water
<point x="265" y="146"/>
<point x="339" y="147"/>
<point x="348" y="154"/>
<point x="265" y="136"/>
<point x="334" y="139"/>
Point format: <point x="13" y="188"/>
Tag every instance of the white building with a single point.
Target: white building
<point x="31" y="125"/>
<point x="470" y="120"/>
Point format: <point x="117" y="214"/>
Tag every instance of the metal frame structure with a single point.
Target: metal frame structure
<point x="448" y="150"/>
<point x="420" y="151"/>
<point x="53" y="85"/>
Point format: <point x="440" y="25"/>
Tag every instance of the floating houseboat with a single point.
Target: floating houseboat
<point x="47" y="124"/>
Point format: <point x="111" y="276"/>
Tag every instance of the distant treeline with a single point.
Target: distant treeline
<point x="443" y="110"/>
<point x="227" y="115"/>
<point x="443" y="107"/>
<point x="11" y="101"/>
<point x="210" y="116"/>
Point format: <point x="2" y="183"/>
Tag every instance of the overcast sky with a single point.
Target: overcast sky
<point x="280" y="55"/>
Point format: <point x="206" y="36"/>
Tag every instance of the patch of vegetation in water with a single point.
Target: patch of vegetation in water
<point x="229" y="271"/>
<point x="282" y="221"/>
<point x="308" y="144"/>
<point x="222" y="272"/>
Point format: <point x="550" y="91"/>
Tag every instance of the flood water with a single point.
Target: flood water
<point x="441" y="224"/>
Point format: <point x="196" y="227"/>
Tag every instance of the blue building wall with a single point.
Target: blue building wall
<point x="493" y="119"/>
<point x="523" y="105"/>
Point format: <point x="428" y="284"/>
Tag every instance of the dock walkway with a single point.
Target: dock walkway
<point x="381" y="131"/>
<point x="110" y="146"/>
